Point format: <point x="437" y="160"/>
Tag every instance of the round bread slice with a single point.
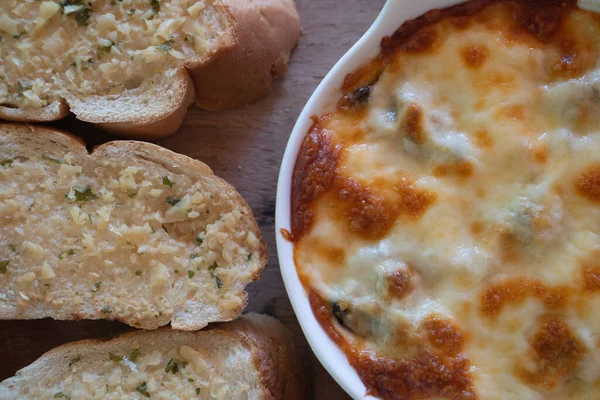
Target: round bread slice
<point x="132" y="232"/>
<point x="134" y="66"/>
<point x="252" y="357"/>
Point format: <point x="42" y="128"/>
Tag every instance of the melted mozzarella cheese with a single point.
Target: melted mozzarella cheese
<point x="502" y="145"/>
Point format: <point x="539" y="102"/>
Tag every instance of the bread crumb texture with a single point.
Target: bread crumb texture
<point x="125" y="233"/>
<point x="53" y="49"/>
<point x="149" y="366"/>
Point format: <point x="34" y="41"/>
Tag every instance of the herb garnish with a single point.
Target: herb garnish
<point x="193" y="255"/>
<point x="167" y="182"/>
<point x="197" y="391"/>
<point x="142" y="389"/>
<point x="61" y="395"/>
<point x="219" y="282"/>
<point x="96" y="286"/>
<point x="74" y="360"/>
<point x="190" y="273"/>
<point x="52" y="160"/>
<point x="138" y="272"/>
<point x="165" y="47"/>
<point x="6" y="162"/>
<point x="106" y="310"/>
<point x="3" y="265"/>
<point x="85" y="195"/>
<point x="213" y="266"/>
<point x="114" y="357"/>
<point x="134" y="355"/>
<point x="12" y="247"/>
<point x="155" y="7"/>
<point x="173" y="202"/>
<point x="80" y="11"/>
<point x="172" y="367"/>
<point x="198" y="239"/>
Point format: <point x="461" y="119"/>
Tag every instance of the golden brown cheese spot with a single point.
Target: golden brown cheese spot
<point x="287" y="235"/>
<point x="400" y="284"/>
<point x="444" y="335"/>
<point x="540" y="154"/>
<point x="587" y="183"/>
<point x="543" y="23"/>
<point x="313" y="175"/>
<point x="483" y="139"/>
<point x="423" y="376"/>
<point x="367" y="214"/>
<point x="477" y="228"/>
<point x="413" y="201"/>
<point x="420" y="42"/>
<point x="412" y="124"/>
<point x="591" y="278"/>
<point x="475" y="56"/>
<point x="334" y="255"/>
<point x="556" y="350"/>
<point x="516" y="291"/>
<point x="590" y="272"/>
<point x="459" y="169"/>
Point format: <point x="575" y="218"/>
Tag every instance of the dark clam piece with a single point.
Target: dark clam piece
<point x="356" y="98"/>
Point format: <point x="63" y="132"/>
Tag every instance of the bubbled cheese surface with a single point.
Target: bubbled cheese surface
<point x="467" y="190"/>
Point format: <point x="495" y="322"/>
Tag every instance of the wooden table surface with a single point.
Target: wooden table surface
<point x="245" y="147"/>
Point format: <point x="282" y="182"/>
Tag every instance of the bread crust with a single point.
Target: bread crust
<point x="273" y="354"/>
<point x="61" y="142"/>
<point x="255" y="53"/>
<point x="245" y="71"/>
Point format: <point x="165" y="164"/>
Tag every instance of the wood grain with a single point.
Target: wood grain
<point x="244" y="146"/>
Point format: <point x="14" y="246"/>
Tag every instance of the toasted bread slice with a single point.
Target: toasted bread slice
<point x="132" y="232"/>
<point x="250" y="358"/>
<point x="134" y="66"/>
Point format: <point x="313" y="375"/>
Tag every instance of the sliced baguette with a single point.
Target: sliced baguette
<point x="252" y="357"/>
<point x="132" y="232"/>
<point x="134" y="66"/>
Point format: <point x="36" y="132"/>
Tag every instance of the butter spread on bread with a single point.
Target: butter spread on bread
<point x="132" y="232"/>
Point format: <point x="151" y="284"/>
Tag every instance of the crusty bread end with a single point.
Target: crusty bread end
<point x="252" y="357"/>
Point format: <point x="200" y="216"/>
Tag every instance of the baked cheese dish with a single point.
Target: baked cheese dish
<point x="446" y="216"/>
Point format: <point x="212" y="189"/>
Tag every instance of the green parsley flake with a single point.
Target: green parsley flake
<point x="138" y="272"/>
<point x="172" y="367"/>
<point x="114" y="357"/>
<point x="3" y="265"/>
<point x="135" y="354"/>
<point x="61" y="395"/>
<point x="6" y="162"/>
<point x="173" y="202"/>
<point x="193" y="255"/>
<point x="96" y="286"/>
<point x="190" y="273"/>
<point x="85" y="194"/>
<point x="52" y="160"/>
<point x="106" y="310"/>
<point x="213" y="266"/>
<point x="165" y="47"/>
<point x="198" y="239"/>
<point x="142" y="388"/>
<point x="167" y="182"/>
<point x="74" y="360"/>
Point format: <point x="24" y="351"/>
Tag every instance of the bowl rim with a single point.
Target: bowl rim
<point x="393" y="14"/>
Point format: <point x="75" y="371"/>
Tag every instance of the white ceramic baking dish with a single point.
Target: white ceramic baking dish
<point x="324" y="99"/>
